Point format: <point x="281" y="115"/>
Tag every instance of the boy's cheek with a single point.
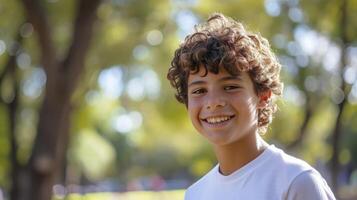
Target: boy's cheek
<point x="193" y="108"/>
<point x="191" y="103"/>
<point x="193" y="111"/>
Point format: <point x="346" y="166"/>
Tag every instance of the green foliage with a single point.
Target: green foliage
<point x="93" y="154"/>
<point x="326" y="20"/>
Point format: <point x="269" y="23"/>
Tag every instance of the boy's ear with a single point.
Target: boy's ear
<point x="264" y="98"/>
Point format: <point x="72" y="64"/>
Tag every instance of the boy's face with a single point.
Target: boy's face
<point x="222" y="107"/>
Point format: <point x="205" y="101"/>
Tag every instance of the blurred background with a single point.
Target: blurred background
<point x="86" y="111"/>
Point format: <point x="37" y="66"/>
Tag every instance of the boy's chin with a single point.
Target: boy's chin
<point x="216" y="141"/>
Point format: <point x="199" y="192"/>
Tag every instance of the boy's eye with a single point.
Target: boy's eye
<point x="231" y="87"/>
<point x="198" y="91"/>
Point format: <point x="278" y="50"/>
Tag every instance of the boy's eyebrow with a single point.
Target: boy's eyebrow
<point x="226" y="78"/>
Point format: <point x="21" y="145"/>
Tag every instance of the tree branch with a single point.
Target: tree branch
<point x="12" y="110"/>
<point x="38" y="18"/>
<point x="7" y="69"/>
<point x="303" y="128"/>
<point x="74" y="62"/>
<point x="345" y="87"/>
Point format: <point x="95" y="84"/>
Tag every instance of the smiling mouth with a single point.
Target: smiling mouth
<point x="218" y="119"/>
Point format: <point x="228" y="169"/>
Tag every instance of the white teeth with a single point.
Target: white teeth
<point x="213" y="120"/>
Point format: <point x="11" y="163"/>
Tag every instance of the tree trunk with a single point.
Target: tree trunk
<point x="52" y="128"/>
<point x="337" y="131"/>
<point x="12" y="109"/>
<point x="335" y="168"/>
<point x="303" y="128"/>
<point x="50" y="145"/>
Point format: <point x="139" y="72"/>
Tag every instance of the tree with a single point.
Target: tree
<point x="50" y="145"/>
<point x="346" y="89"/>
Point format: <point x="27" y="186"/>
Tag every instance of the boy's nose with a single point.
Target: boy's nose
<point x="214" y="103"/>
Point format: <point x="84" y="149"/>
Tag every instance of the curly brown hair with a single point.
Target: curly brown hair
<point x="223" y="43"/>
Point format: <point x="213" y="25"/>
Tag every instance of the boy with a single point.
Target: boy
<point x="228" y="78"/>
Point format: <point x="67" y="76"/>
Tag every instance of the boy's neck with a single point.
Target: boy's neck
<point x="234" y="156"/>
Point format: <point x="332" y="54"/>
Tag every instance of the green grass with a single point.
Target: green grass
<point x="140" y="195"/>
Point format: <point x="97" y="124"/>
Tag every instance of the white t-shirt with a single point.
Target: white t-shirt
<point x="273" y="175"/>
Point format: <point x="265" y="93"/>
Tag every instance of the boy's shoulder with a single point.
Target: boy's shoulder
<point x="288" y="162"/>
<point x="201" y="185"/>
<point x="304" y="181"/>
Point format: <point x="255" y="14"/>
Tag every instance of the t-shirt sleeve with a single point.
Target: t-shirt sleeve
<point x="309" y="185"/>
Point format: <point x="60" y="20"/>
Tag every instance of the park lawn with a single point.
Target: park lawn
<point x="138" y="195"/>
